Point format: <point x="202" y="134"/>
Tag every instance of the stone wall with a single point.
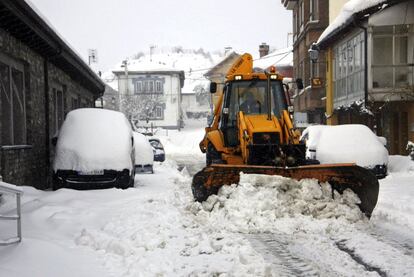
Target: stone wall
<point x="29" y="164"/>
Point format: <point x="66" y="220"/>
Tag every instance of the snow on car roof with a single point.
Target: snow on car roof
<point x="144" y="154"/>
<point x="350" y="143"/>
<point x="94" y="139"/>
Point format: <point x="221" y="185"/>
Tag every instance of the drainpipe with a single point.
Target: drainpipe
<point x="364" y="29"/>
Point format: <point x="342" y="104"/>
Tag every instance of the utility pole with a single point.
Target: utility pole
<point x="92" y="56"/>
<point x="125" y="66"/>
<point x="152" y="47"/>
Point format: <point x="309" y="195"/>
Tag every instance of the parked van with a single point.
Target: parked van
<point x="95" y="149"/>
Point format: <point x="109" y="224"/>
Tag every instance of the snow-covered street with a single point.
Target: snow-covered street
<point x="267" y="226"/>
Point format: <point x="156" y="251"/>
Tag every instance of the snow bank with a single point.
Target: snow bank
<point x="400" y="164"/>
<point x="260" y="203"/>
<point x="351" y="143"/>
<point x="94" y="139"/>
<point x="348" y="10"/>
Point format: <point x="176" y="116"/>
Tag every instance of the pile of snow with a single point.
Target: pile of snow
<point x="352" y="143"/>
<point x="260" y="203"/>
<point x="94" y="139"/>
<point x="400" y="164"/>
<point x="144" y="155"/>
<point x="395" y="200"/>
<point x="410" y="149"/>
<point x="348" y="10"/>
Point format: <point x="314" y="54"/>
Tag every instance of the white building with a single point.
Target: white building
<point x="150" y="94"/>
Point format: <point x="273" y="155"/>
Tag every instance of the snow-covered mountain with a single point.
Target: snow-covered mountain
<point x="194" y="63"/>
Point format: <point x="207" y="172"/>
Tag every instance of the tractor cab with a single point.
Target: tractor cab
<point x="252" y="99"/>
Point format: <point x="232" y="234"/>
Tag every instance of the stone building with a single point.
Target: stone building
<point x="310" y="18"/>
<point x="41" y="80"/>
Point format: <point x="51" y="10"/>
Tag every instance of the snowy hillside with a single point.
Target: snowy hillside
<point x="194" y="63"/>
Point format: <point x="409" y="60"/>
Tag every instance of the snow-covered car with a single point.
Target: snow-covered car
<point x="351" y="143"/>
<point x="144" y="154"/>
<point x="159" y="152"/>
<point x="95" y="149"/>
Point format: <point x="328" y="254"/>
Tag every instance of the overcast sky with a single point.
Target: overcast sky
<point x="121" y="28"/>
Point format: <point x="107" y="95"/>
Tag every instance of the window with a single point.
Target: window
<point x="393" y="69"/>
<point x="313" y="10"/>
<point x="349" y="70"/>
<point x="158" y="86"/>
<point x="75" y="103"/>
<point x="59" y="112"/>
<point x="159" y="112"/>
<point x="148" y="84"/>
<point x="13" y="105"/>
<point x="138" y="87"/>
<point x="301" y="16"/>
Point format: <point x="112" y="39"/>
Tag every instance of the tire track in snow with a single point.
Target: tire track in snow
<point x="275" y="251"/>
<point x="342" y="246"/>
<point x="398" y="241"/>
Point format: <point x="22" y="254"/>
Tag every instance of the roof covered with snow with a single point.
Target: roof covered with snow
<point x="194" y="64"/>
<point x="347" y="15"/>
<point x="280" y="57"/>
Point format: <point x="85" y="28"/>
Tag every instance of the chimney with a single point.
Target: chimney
<point x="263" y="49"/>
<point x="227" y="50"/>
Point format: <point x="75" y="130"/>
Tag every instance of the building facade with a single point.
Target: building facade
<point x="41" y="80"/>
<point x="371" y="62"/>
<point x="310" y="18"/>
<point x="151" y="97"/>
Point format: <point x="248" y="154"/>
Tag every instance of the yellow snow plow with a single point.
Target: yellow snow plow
<point x="252" y="132"/>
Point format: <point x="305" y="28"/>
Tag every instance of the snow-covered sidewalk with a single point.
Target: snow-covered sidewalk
<point x="142" y="231"/>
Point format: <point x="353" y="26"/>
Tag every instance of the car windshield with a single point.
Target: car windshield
<point x="250" y="97"/>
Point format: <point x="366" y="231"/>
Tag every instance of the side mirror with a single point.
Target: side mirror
<point x="299" y="83"/>
<point x="213" y="87"/>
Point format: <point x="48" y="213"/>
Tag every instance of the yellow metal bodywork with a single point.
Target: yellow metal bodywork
<point x="248" y="124"/>
<point x="331" y="117"/>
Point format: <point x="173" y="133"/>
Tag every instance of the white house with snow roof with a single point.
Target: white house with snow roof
<point x="152" y="87"/>
<point x="150" y="93"/>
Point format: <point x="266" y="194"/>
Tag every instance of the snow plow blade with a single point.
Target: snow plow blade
<point x="341" y="177"/>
